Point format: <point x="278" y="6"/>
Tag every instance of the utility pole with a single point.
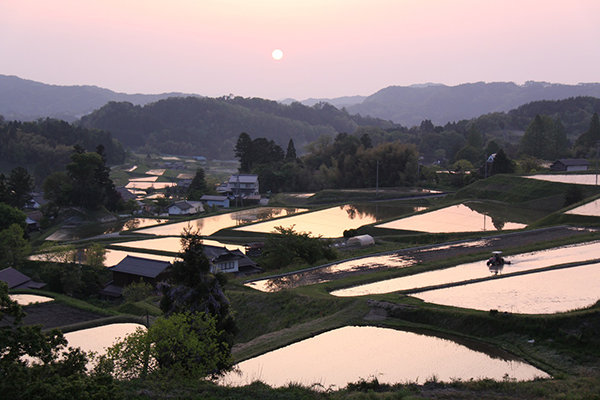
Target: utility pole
<point x="377" y="181"/>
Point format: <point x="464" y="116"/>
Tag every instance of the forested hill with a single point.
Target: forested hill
<point x="210" y="127"/>
<point x="409" y="106"/>
<point x="574" y="114"/>
<point x="26" y="100"/>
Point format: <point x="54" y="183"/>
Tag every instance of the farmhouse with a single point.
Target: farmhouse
<point x="230" y="261"/>
<point x="135" y="269"/>
<point x="570" y="164"/>
<point x="185" y="208"/>
<point x="240" y="185"/>
<point x="18" y="280"/>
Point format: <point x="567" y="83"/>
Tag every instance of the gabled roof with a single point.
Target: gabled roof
<point x="141" y="266"/>
<point x="243" y="178"/>
<point x="572" y="161"/>
<point x="208" y="197"/>
<point x="18" y="280"/>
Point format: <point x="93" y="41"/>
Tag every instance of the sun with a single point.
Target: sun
<point x="277" y="54"/>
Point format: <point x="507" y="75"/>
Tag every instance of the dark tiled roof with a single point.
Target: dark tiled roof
<point x="18" y="280"/>
<point x="141" y="266"/>
<point x="573" y="161"/>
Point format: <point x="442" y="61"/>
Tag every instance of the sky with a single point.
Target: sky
<point x="331" y="48"/>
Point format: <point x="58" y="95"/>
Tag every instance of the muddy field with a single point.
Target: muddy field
<point x="54" y="315"/>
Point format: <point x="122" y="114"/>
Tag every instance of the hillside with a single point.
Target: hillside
<point x="409" y="106"/>
<point x="26" y="100"/>
<point x="210" y="127"/>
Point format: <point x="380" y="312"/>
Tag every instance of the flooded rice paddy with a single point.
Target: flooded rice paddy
<point x="324" y="274"/>
<point x="101" y="337"/>
<point x="27" y="299"/>
<point x="209" y="225"/>
<point x="91" y="230"/>
<point x="580" y="179"/>
<point x="591" y="209"/>
<point x="171" y="244"/>
<point x="348" y="354"/>
<point x="332" y="222"/>
<point x="456" y="218"/>
<point x="544" y="292"/>
<point x="463" y="272"/>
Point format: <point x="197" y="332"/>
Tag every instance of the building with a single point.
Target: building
<point x="219" y="201"/>
<point x="135" y="269"/>
<point x="230" y="261"/>
<point x="185" y="208"/>
<point x="17" y="280"/>
<point x="240" y="185"/>
<point x="570" y="164"/>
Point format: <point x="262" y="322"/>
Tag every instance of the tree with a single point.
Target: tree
<point x="502" y="164"/>
<point x="19" y="185"/>
<point x="587" y="143"/>
<point x="290" y="154"/>
<point x="243" y="152"/>
<point x="181" y="346"/>
<point x="14" y="249"/>
<point x="11" y="215"/>
<point x="198" y="186"/>
<point x="137" y="291"/>
<point x="195" y="289"/>
<point x="285" y="245"/>
<point x="37" y="365"/>
<point x="95" y="256"/>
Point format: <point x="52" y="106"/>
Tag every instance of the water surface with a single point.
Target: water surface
<point x="580" y="179"/>
<point x="545" y="292"/>
<point x="457" y="218"/>
<point x="172" y="244"/>
<point x="591" y="209"/>
<point x="348" y="354"/>
<point x="209" y="225"/>
<point x="27" y="299"/>
<point x="332" y="222"/>
<point x="479" y="269"/>
<point x="101" y="337"/>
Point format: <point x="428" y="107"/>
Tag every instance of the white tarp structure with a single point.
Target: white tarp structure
<point x="361" y="240"/>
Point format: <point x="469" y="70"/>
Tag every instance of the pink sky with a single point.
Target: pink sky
<point x="331" y="48"/>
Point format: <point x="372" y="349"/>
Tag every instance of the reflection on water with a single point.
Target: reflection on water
<point x="479" y="269"/>
<point x="457" y="218"/>
<point x="538" y="293"/>
<point x="332" y="222"/>
<point x="348" y="354"/>
<point x="172" y="244"/>
<point x="581" y="179"/>
<point x="324" y="274"/>
<point x="99" y="338"/>
<point x="591" y="209"/>
<point x="26" y="299"/>
<point x="209" y="225"/>
<point x="91" y="230"/>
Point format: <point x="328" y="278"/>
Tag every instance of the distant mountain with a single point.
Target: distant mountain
<point x="338" y="102"/>
<point x="409" y="106"/>
<point x="210" y="127"/>
<point x="26" y="100"/>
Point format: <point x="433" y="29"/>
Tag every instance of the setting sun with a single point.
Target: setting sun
<point x="277" y="54"/>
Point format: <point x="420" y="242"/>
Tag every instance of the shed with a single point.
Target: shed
<point x="185" y="208"/>
<point x="570" y="164"/>
<point x="361" y="240"/>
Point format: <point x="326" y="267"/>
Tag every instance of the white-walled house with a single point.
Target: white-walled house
<point x="240" y="185"/>
<point x="219" y="201"/>
<point x="185" y="208"/>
